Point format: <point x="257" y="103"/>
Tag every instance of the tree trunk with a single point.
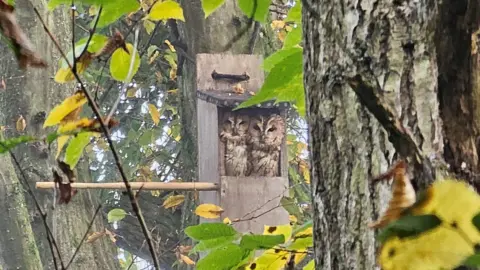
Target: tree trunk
<point x="31" y="93"/>
<point x="394" y="42"/>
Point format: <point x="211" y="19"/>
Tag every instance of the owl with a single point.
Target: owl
<point x="265" y="135"/>
<point x="234" y="135"/>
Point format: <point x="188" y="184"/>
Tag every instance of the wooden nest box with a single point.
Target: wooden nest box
<point x="244" y="150"/>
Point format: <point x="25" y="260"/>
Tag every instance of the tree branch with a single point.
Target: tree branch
<point x="133" y="200"/>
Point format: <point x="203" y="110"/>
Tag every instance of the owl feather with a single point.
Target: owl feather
<point x="234" y="135"/>
<point x="265" y="138"/>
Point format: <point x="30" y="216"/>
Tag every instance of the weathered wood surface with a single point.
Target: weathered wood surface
<point x="229" y="64"/>
<point x="254" y="200"/>
<point x="208" y="143"/>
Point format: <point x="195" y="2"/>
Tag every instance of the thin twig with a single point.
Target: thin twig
<point x="145" y="48"/>
<point x="72" y="11"/>
<point x="50" y="238"/>
<point x="92" y="32"/>
<point x="136" y="209"/>
<point x="127" y="80"/>
<point x="85" y="235"/>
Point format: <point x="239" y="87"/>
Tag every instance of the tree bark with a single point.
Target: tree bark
<point x="30" y="94"/>
<point x="394" y="43"/>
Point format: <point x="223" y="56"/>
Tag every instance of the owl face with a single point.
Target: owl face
<point x="236" y="125"/>
<point x="267" y="130"/>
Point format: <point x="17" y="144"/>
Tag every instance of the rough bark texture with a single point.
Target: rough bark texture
<point x="459" y="85"/>
<point x="29" y="93"/>
<point x="395" y="42"/>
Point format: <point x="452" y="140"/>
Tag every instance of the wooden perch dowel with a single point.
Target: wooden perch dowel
<point x="203" y="186"/>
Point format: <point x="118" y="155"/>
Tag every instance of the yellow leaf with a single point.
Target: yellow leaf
<point x="92" y="11"/>
<point x="155" y="193"/>
<point x="67" y="106"/>
<point x="271" y="259"/>
<point x="149" y="26"/>
<point x="166" y="10"/>
<point x="61" y="141"/>
<point x="173" y="73"/>
<point x="153" y="57"/>
<point x="227" y="221"/>
<point x="120" y="63"/>
<point x="299" y="256"/>
<point x="286" y="230"/>
<point x="276" y="24"/>
<point x="446" y="246"/>
<point x="170" y="45"/>
<point x="154" y="113"/>
<point x="173" y="91"/>
<point x="305" y="233"/>
<point x="21" y="123"/>
<point x="208" y="210"/>
<point x="72" y="125"/>
<point x="173" y="201"/>
<point x="293" y="219"/>
<point x="65" y="74"/>
<point x="94" y="236"/>
<point x="281" y="35"/>
<point x="186" y="260"/>
<point x="303" y="167"/>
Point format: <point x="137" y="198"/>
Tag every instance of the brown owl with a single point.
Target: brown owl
<point x="265" y="137"/>
<point x="234" y="135"/>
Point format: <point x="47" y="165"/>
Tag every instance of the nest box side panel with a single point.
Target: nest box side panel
<point x="252" y="199"/>
<point x="208" y="145"/>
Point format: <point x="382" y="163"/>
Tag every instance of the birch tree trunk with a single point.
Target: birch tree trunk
<point x="33" y="93"/>
<point x="407" y="51"/>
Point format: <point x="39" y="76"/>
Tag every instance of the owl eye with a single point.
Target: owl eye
<point x="256" y="128"/>
<point x="272" y="129"/>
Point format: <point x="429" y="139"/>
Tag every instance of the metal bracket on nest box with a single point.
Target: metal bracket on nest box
<point x="229" y="79"/>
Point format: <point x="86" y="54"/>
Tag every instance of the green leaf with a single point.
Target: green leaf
<point x="283" y="83"/>
<point x="120" y="63"/>
<point x="293" y="37"/>
<point x="223" y="258"/>
<point x="301" y="243"/>
<point x="113" y="10"/>
<point x="476" y="221"/>
<point x="261" y="241"/>
<point x="302" y="228"/>
<point x="209" y="6"/>
<point x="276" y="58"/>
<point x="208" y="231"/>
<point x="146" y="138"/>
<point x="116" y="215"/>
<point x="310" y="265"/>
<point x="166" y="10"/>
<point x="408" y="226"/>
<point x="472" y="261"/>
<point x="11" y="143"/>
<point x="295" y="13"/>
<point x="75" y="148"/>
<point x="95" y="45"/>
<point x="257" y="8"/>
<point x="213" y="243"/>
<point x="55" y="3"/>
<point x="291" y="206"/>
